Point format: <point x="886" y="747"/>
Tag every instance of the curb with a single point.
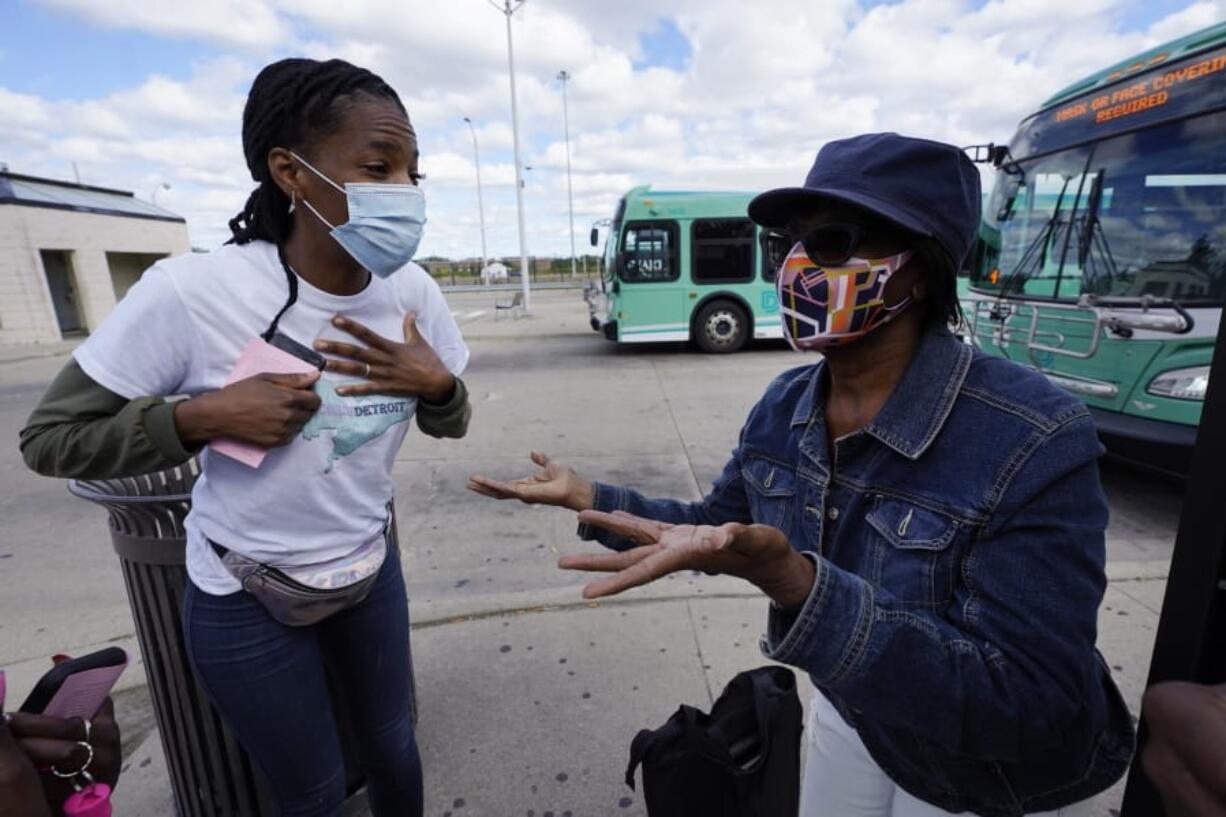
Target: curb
<point x="683" y="587"/>
<point x="38" y="355"/>
<point x="474" y="336"/>
<point x="427" y="615"/>
<point x="1137" y="571"/>
<point x="24" y="674"/>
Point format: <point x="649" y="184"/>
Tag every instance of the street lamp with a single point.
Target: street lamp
<point x="508" y="8"/>
<point x="563" y="76"/>
<point x="480" y="203"/>
<point x="153" y="197"/>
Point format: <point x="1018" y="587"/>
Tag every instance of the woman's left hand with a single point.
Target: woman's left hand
<point x="408" y="369"/>
<point x="758" y="553"/>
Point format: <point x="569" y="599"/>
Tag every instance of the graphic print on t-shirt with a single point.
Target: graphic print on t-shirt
<point x="352" y="421"/>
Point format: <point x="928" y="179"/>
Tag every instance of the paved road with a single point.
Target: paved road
<point x="529" y="696"/>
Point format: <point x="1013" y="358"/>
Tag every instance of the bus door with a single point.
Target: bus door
<point x="650" y="296"/>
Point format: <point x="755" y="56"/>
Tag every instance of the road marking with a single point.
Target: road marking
<point x="467" y="317"/>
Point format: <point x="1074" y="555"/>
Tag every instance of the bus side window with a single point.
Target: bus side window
<point x="723" y="250"/>
<point x="649" y="252"/>
<point x="769" y="271"/>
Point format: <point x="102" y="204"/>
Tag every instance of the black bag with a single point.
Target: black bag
<point x="742" y="760"/>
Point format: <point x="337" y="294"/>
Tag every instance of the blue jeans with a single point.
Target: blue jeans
<point x="268" y="681"/>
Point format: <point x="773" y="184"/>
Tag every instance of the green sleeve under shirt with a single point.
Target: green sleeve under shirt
<point x="449" y="419"/>
<point x="82" y="430"/>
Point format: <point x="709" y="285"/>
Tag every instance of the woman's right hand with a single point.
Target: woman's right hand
<point x="553" y="484"/>
<point x="265" y="410"/>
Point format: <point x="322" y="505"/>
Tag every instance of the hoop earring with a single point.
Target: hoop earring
<point x="292" y="198"/>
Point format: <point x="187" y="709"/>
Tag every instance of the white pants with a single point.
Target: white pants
<point x="842" y="780"/>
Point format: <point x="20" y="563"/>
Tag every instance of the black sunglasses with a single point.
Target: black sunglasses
<point x="829" y="245"/>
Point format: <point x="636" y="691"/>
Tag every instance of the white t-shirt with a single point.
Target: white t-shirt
<point x="181" y="328"/>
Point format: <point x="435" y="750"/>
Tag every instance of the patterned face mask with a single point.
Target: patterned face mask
<point x="830" y="306"/>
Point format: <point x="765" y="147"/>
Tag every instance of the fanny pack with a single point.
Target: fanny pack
<point x="300" y="596"/>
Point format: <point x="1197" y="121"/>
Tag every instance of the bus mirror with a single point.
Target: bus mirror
<point x="595" y="236"/>
<point x="990" y="153"/>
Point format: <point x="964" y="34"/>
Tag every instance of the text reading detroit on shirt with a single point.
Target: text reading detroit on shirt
<point x="353" y="421"/>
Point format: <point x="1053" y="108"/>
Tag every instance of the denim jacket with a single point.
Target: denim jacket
<point x="959" y="544"/>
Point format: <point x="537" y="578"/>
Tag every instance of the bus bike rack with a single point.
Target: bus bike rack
<point x="1118" y="315"/>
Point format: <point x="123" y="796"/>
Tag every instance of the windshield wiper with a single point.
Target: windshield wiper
<point x="1036" y="252"/>
<point x="1093" y="251"/>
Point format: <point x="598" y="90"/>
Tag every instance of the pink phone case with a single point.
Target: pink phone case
<point x="83" y="693"/>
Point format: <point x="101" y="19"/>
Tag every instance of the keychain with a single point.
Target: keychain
<point x="91" y="800"/>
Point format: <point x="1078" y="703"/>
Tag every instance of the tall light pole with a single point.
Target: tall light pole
<point x="480" y="203"/>
<point x="563" y="76"/>
<point x="508" y="8"/>
<point x="153" y="197"/>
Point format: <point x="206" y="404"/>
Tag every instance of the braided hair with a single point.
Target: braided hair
<point x="291" y="103"/>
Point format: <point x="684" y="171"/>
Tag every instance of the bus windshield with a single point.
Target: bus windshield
<point x="611" y="241"/>
<point x="1142" y="213"/>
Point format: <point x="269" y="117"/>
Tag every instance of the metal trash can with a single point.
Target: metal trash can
<point x="209" y="771"/>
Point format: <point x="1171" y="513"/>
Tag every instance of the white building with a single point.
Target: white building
<point x="69" y="252"/>
<point x="494" y="273"/>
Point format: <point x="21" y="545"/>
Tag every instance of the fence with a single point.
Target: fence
<point x="543" y="270"/>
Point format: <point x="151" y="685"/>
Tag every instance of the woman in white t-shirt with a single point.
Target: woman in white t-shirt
<point x="291" y="565"/>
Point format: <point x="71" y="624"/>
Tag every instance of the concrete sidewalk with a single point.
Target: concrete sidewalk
<point x="533" y="711"/>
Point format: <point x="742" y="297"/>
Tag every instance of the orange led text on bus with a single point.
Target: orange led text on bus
<point x="1140" y="96"/>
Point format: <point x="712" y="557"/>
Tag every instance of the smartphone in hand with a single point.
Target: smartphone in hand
<point x="78" y="687"/>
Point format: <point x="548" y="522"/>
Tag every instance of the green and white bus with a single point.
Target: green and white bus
<point x="1102" y="253"/>
<point x="683" y="266"/>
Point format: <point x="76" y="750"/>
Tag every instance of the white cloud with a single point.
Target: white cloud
<point x="764" y="86"/>
<point x="1196" y="16"/>
<point x="22" y="112"/>
<point x="246" y="24"/>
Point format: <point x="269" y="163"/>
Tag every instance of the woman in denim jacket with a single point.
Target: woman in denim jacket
<point x="927" y="520"/>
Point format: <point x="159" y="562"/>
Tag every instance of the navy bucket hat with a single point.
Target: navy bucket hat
<point x="929" y="188"/>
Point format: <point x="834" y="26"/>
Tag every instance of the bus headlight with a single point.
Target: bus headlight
<point x="1182" y="384"/>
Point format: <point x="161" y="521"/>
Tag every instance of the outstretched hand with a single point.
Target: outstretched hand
<point x="553" y="484"/>
<point x="758" y="553"/>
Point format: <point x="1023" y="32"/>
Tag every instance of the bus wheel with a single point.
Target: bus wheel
<point x="721" y="326"/>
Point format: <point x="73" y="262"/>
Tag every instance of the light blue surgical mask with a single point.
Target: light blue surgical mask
<point x="385" y="222"/>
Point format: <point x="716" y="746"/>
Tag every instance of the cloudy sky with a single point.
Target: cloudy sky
<point x="726" y="94"/>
